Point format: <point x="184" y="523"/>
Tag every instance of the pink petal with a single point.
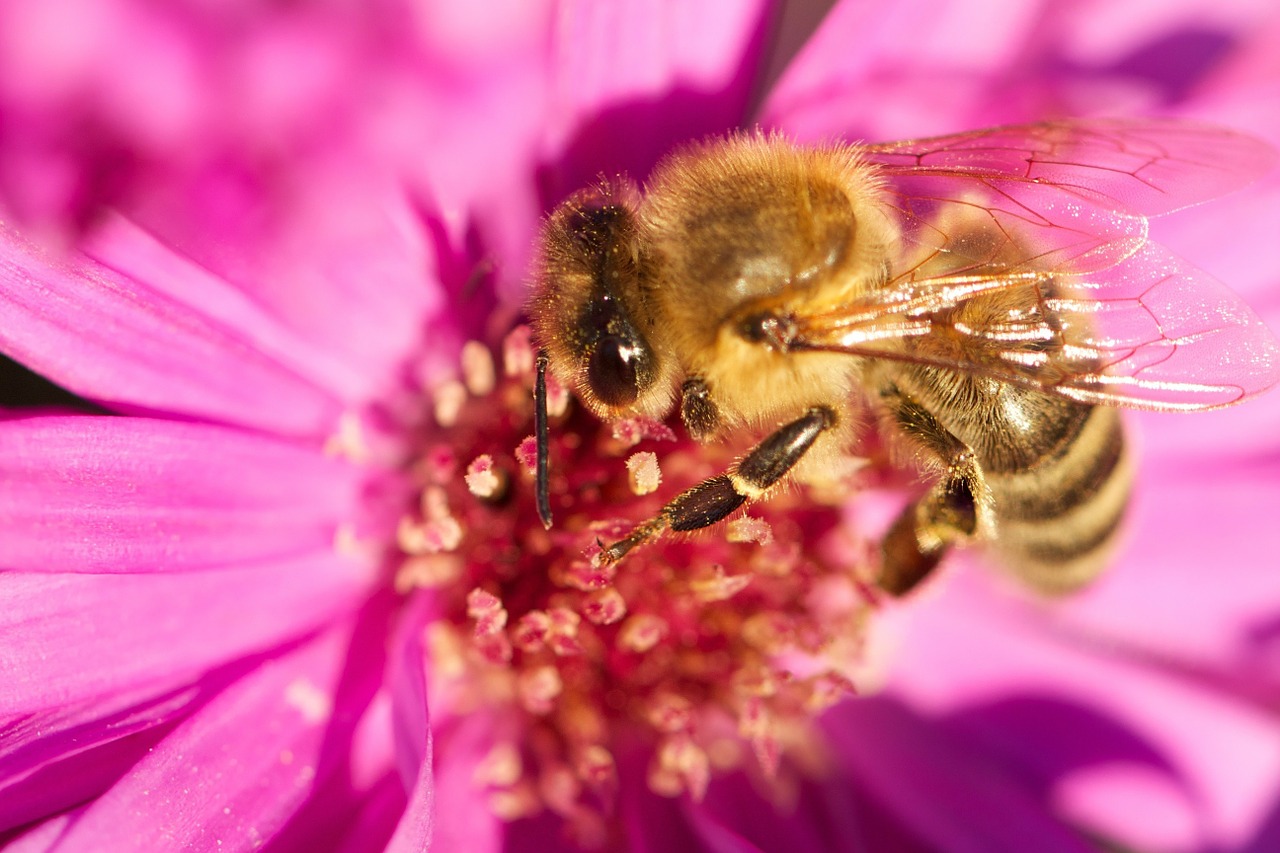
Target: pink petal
<point x="112" y="338"/>
<point x="66" y="639"/>
<point x="105" y="494"/>
<point x="624" y="70"/>
<point x="357" y="796"/>
<point x="947" y="793"/>
<point x="831" y="812"/>
<point x="966" y="647"/>
<point x="338" y="293"/>
<point x="237" y="771"/>
<point x="919" y="68"/>
<point x="412" y="733"/>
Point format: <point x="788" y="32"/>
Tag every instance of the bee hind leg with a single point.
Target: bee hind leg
<point x="715" y="498"/>
<point x="955" y="511"/>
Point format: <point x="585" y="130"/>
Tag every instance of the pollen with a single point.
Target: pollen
<point x="712" y="651"/>
<point x="643" y="471"/>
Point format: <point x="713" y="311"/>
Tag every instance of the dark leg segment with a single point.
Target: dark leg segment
<point x="713" y="499"/>
<point x="698" y="410"/>
<point x="949" y="513"/>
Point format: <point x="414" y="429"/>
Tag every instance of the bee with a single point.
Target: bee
<point x="991" y="298"/>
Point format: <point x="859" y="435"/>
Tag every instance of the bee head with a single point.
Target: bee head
<point x="588" y="307"/>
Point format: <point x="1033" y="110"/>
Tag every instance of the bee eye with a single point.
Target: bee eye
<point x="612" y="371"/>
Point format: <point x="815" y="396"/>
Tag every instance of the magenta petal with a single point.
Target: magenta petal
<point x="234" y="773"/>
<point x="1202" y="773"/>
<point x="337" y="293"/>
<point x="412" y="732"/>
<point x="624" y="69"/>
<point x="953" y="797"/>
<point x="464" y="820"/>
<point x="68" y="638"/>
<point x="102" y="494"/>
<point x="112" y="338"/>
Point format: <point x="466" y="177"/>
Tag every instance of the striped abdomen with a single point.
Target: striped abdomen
<point x="1057" y="517"/>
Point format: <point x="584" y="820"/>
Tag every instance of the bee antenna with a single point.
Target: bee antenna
<point x="542" y="486"/>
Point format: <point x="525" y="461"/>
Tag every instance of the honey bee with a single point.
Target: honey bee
<point x="989" y="297"/>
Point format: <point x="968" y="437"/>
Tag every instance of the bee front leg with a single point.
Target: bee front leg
<point x="955" y="511"/>
<point x="715" y="498"/>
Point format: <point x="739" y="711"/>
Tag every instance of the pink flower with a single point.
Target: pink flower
<point x="254" y="604"/>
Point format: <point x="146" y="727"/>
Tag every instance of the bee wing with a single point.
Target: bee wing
<point x="1150" y="332"/>
<point x="1071" y="192"/>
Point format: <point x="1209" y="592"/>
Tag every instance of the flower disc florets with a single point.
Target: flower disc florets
<point x="704" y="652"/>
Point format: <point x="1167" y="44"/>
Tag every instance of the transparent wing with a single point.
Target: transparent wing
<point x="1061" y="193"/>
<point x="1149" y="332"/>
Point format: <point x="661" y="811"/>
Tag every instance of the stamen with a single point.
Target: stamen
<point x="477" y="369"/>
<point x="487" y="611"/>
<point x="642" y="632"/>
<point x="686" y="647"/>
<point x="604" y="607"/>
<point x="749" y="529"/>
<point x="484" y="479"/>
<point x="517" y="352"/>
<point x="644" y="473"/>
<point x="448" y="400"/>
<point x="501" y="766"/>
<point x="712" y="584"/>
<point x="538" y="688"/>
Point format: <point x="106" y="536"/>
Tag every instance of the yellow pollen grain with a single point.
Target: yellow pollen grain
<point x="749" y="529"/>
<point x="446" y="649"/>
<point x="517" y="352"/>
<point x="604" y="606"/>
<point x="349" y="441"/>
<point x="557" y="397"/>
<point x="447" y="401"/>
<point x="531" y="631"/>
<point x="687" y="762"/>
<point x="642" y="632"/>
<point x="501" y="766"/>
<point x="670" y="713"/>
<point x="595" y="765"/>
<point x="712" y="584"/>
<point x="478" y="373"/>
<point x="482" y="478"/>
<point x="512" y="804"/>
<point x="309" y="700"/>
<point x="538" y="688"/>
<point x="643" y="472"/>
<point x="428" y="537"/>
<point x="428" y="571"/>
<point x="560" y="789"/>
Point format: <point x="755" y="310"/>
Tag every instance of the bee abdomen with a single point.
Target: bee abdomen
<point x="1056" y="520"/>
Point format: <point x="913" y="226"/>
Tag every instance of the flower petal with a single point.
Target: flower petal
<point x="935" y="785"/>
<point x="105" y="494"/>
<point x="625" y="69"/>
<point x="1206" y="760"/>
<point x="235" y="772"/>
<point x="73" y="638"/>
<point x="113" y="339"/>
<point x="412" y="732"/>
<point x="336" y="293"/>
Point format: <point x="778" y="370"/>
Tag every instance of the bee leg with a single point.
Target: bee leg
<point x="715" y="498"/>
<point x="956" y="510"/>
<point x="698" y="411"/>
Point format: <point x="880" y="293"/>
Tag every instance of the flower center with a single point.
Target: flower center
<point x="703" y="652"/>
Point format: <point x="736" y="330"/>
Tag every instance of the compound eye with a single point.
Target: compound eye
<point x="612" y="371"/>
